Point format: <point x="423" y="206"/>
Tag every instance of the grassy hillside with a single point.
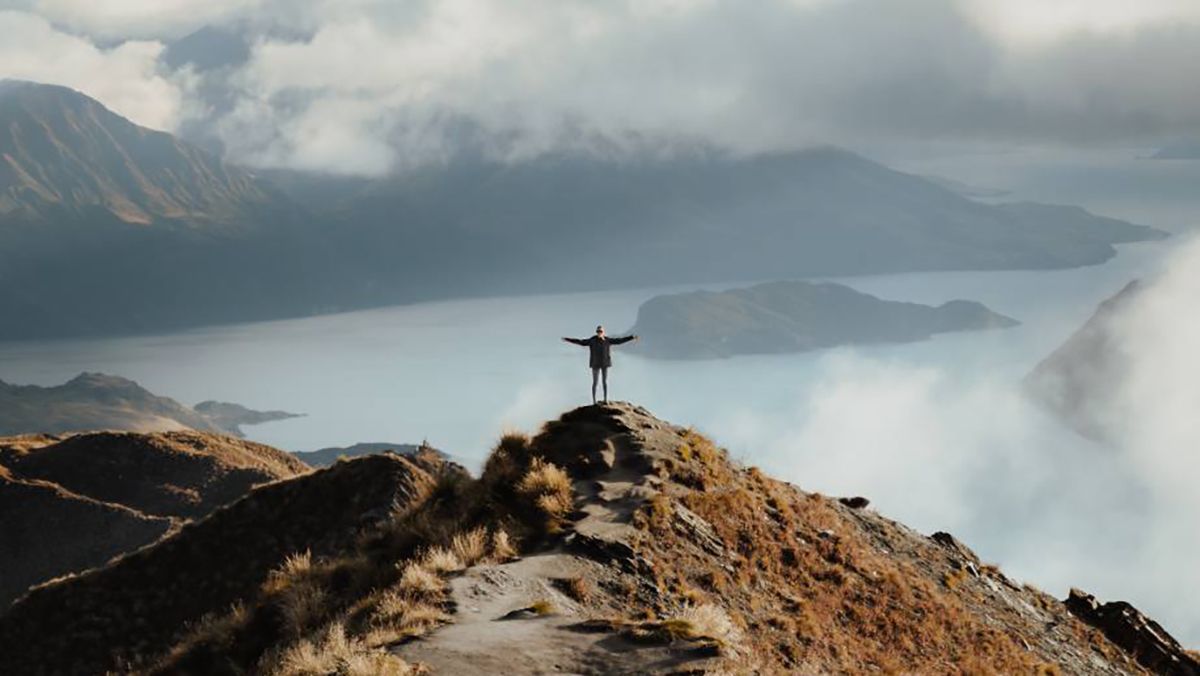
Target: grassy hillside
<point x="611" y="542"/>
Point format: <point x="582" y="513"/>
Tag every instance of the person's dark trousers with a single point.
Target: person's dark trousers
<point x="602" y="375"/>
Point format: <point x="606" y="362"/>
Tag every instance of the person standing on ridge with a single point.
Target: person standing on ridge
<point x="601" y="356"/>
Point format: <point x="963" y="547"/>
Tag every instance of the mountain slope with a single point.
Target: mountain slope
<point x="71" y="503"/>
<point x="639" y="548"/>
<point x="792" y="316"/>
<point x="698" y="216"/>
<point x="95" y="401"/>
<point x="1080" y="380"/>
<point x="107" y="227"/>
<point x="65" y="155"/>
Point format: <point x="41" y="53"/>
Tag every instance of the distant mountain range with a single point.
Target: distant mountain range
<point x="106" y="227"/>
<point x="95" y="401"/>
<point x="792" y="316"/>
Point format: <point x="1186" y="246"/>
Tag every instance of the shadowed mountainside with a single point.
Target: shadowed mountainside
<point x="325" y="457"/>
<point x="610" y="543"/>
<point x="1079" y="381"/>
<point x="792" y="317"/>
<point x="69" y="503"/>
<point x="95" y="401"/>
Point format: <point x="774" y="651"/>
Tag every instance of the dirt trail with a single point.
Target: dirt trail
<point x="494" y="630"/>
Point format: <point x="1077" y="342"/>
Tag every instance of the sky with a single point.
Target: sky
<point x="370" y="86"/>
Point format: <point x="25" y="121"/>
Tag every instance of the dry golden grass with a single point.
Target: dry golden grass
<point x="470" y="547"/>
<point x="399" y="616"/>
<point x="294" y="568"/>
<point x="441" y="560"/>
<point x="805" y="588"/>
<point x="335" y="653"/>
<point x="502" y="549"/>
<point x="417" y="581"/>
<point x="576" y="588"/>
<point x="543" y="607"/>
<point x="953" y="578"/>
<point x="704" y="621"/>
<point x="548" y="488"/>
<point x="544" y="478"/>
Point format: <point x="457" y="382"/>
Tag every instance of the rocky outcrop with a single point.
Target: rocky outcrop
<point x="1139" y="635"/>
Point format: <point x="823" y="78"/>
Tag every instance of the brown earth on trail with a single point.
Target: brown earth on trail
<point x="69" y="503"/>
<point x="610" y="543"/>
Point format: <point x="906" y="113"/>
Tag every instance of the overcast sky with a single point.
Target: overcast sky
<point x="363" y="86"/>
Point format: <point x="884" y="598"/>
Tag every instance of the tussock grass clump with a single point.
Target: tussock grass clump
<point x="298" y="587"/>
<point x="335" y="653"/>
<point x="506" y="464"/>
<point x="396" y="616"/>
<point x="543" y="607"/>
<point x="417" y="581"/>
<point x="502" y="549"/>
<point x="705" y="621"/>
<point x="441" y="560"/>
<point x="705" y="624"/>
<point x="548" y="488"/>
<point x="470" y="547"/>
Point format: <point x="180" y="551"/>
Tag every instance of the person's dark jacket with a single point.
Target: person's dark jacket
<point x="601" y="356"/>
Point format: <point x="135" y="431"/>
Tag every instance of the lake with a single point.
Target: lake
<point x="935" y="433"/>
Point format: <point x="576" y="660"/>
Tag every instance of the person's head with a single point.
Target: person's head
<point x="599" y="330"/>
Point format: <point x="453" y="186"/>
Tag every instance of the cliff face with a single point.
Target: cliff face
<point x="74" y="502"/>
<point x="611" y="542"/>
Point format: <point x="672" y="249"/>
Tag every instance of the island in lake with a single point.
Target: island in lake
<point x="793" y="316"/>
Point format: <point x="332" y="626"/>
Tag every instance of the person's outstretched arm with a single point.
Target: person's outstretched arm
<point x="618" y="341"/>
<point x="576" y="341"/>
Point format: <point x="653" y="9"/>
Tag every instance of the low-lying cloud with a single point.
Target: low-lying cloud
<point x="974" y="456"/>
<point x="367" y="86"/>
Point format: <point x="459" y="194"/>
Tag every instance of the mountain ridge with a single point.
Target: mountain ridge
<point x="98" y="401"/>
<point x="610" y="542"/>
<point x="73" y="502"/>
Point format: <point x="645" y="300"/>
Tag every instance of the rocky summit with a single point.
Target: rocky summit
<point x="611" y="542"/>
